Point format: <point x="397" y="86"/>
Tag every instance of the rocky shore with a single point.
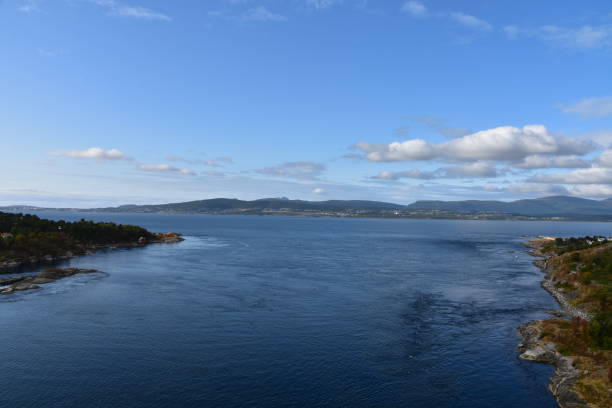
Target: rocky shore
<point x="574" y="384"/>
<point x="23" y="283"/>
<point x="9" y="266"/>
<point x="562" y="385"/>
<point x="549" y="285"/>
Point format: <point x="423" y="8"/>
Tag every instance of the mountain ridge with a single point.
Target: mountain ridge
<point x="563" y="207"/>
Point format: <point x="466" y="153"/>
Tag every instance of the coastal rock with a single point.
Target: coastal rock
<point x="23" y="283"/>
<point x="532" y="348"/>
<point x="18" y="288"/>
<point x="168" y="237"/>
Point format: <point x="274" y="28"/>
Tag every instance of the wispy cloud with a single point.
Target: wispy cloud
<point x="440" y="125"/>
<point x="590" y="107"/>
<point x="95" y="153"/>
<point x="594" y="175"/>
<point x="471" y="171"/>
<point x="166" y="168"/>
<point x="125" y="10"/>
<point x="586" y="37"/>
<point x="295" y="170"/>
<point x="216" y="162"/>
<point x="322" y="4"/>
<point x="28" y="6"/>
<point x="257" y="14"/>
<point x="470" y="21"/>
<point x="544" y="162"/>
<point x="415" y="8"/>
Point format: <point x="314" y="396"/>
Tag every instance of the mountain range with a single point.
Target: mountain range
<point x="555" y="207"/>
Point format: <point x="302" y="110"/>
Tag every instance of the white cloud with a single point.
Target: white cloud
<point x="600" y="136"/>
<point x="593" y="175"/>
<point x="605" y="159"/>
<point x="470" y="21"/>
<point x="415" y="8"/>
<point x="592" y="190"/>
<point x="501" y="143"/>
<point x="94" y="153"/>
<point x="298" y="170"/>
<point x="124" y="10"/>
<point x="591" y="107"/>
<point x="531" y="188"/>
<point x="318" y="191"/>
<point x="165" y="168"/>
<point x="470" y="171"/>
<point x="413" y="149"/>
<point x="545" y="162"/>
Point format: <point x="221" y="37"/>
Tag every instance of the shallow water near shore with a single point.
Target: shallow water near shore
<point x="286" y="312"/>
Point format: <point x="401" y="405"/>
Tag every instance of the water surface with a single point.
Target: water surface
<point x="286" y="312"/>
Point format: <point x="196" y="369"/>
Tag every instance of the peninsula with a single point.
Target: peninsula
<point x="26" y="239"/>
<point x="578" y="341"/>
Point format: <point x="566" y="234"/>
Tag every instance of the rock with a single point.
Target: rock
<point x="18" y="288"/>
<point x="11" y="281"/>
<point x="557" y="313"/>
<point x="59" y="273"/>
<point x="168" y="237"/>
<point x="532" y="348"/>
<point x="22" y="283"/>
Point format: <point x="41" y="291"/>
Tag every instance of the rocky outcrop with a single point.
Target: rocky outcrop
<point x="562" y="385"/>
<point x="22" y="283"/>
<point x="549" y="285"/>
<point x="168" y="237"/>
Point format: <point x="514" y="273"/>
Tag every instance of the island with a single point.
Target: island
<point x="27" y="239"/>
<point x="578" y="340"/>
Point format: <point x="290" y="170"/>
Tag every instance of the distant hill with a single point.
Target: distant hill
<point x="555" y="207"/>
<point x="233" y="205"/>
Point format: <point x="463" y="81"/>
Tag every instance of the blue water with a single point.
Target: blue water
<point x="286" y="312"/>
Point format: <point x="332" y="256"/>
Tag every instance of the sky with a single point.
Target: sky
<point x="110" y="102"/>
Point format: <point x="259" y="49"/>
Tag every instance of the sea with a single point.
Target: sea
<point x="286" y="312"/>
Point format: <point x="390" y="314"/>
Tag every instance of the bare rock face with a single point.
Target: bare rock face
<point x="532" y="348"/>
<point x="23" y="283"/>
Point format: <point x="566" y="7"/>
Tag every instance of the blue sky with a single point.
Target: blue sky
<point x="109" y="102"/>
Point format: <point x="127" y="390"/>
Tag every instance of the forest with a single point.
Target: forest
<point x="27" y="236"/>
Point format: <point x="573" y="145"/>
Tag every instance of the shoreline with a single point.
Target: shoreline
<point x="532" y="348"/>
<point x="457" y="217"/>
<point x="13" y="266"/>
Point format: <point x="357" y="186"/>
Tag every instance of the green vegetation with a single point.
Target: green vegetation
<point x="564" y="245"/>
<point x="25" y="236"/>
<point x="581" y="269"/>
